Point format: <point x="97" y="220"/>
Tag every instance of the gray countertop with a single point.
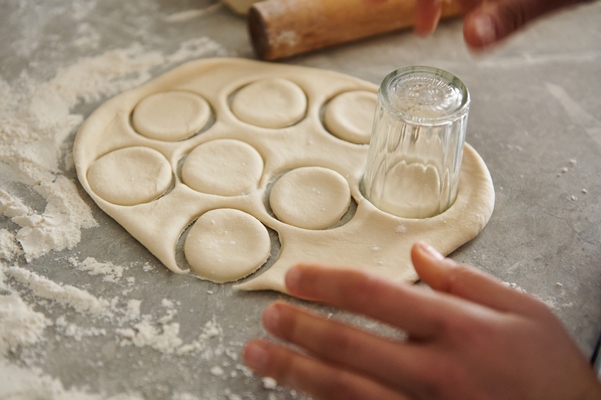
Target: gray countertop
<point x="535" y="119"/>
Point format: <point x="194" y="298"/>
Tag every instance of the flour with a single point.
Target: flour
<point x="67" y="295"/>
<point x="110" y="271"/>
<point x="514" y="286"/>
<point x="35" y="120"/>
<point x="20" y="325"/>
<point x="20" y="383"/>
<point x="71" y="330"/>
<point x="9" y="248"/>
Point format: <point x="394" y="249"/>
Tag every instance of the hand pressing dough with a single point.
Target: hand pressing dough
<point x="130" y="176"/>
<point x="368" y="239"/>
<point x="223" y="167"/>
<point x="171" y="116"/>
<point x="226" y="244"/>
<point x="270" y="103"/>
<point x="310" y="198"/>
<point x="350" y="116"/>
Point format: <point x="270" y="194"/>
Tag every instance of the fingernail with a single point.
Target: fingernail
<point x="256" y="356"/>
<point x="485" y="28"/>
<point x="431" y="251"/>
<point x="293" y="278"/>
<point x="271" y="318"/>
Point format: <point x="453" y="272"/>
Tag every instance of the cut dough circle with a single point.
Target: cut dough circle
<point x="171" y="116"/>
<point x="310" y="197"/>
<point x="412" y="190"/>
<point x="225" y="245"/>
<point x="350" y="116"/>
<point x="130" y="176"/>
<point x="223" y="167"/>
<point x="270" y="103"/>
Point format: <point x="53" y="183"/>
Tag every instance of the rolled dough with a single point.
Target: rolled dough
<point x="171" y="116"/>
<point x="270" y="103"/>
<point x="172" y="200"/>
<point x="310" y="197"/>
<point x="130" y="176"/>
<point x="224" y="167"/>
<point x="350" y="116"/>
<point x="226" y="244"/>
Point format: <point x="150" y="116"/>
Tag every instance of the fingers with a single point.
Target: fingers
<point x="427" y="15"/>
<point x="394" y="363"/>
<point x="322" y="380"/>
<point x="495" y="20"/>
<point x="420" y="312"/>
<point x="469" y="283"/>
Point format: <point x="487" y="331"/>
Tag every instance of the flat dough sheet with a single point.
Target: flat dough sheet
<point x="161" y="214"/>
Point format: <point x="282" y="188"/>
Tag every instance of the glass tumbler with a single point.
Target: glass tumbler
<point x="417" y="139"/>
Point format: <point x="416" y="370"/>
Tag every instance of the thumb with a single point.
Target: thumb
<point x="495" y="20"/>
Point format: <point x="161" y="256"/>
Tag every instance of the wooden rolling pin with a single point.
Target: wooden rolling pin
<point x="282" y="28"/>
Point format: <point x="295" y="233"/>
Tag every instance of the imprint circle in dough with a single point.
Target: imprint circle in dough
<point x="270" y="103"/>
<point x="130" y="176"/>
<point x="226" y="245"/>
<point x="350" y="116"/>
<point x="412" y="190"/>
<point x="223" y="167"/>
<point x="171" y="116"/>
<point x="310" y="197"/>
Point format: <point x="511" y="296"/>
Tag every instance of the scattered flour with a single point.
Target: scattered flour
<point x="217" y="371"/>
<point x="76" y="332"/>
<point x="67" y="295"/>
<point x="164" y="338"/>
<point x="9" y="248"/>
<point x="269" y="383"/>
<point x="42" y="213"/>
<point x="514" y="286"/>
<point x="401" y="229"/>
<point x="20" y="325"/>
<point x="24" y="384"/>
<point x="111" y="272"/>
<point x="184" y="396"/>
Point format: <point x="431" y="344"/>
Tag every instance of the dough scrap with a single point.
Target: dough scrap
<point x="350" y="116"/>
<point x="130" y="176"/>
<point x="270" y="103"/>
<point x="224" y="245"/>
<point x="310" y="197"/>
<point x="171" y="116"/>
<point x="371" y="238"/>
<point x="223" y="167"/>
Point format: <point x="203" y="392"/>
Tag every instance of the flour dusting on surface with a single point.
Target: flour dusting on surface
<point x="42" y="214"/>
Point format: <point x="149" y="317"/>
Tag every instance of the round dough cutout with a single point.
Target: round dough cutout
<point x="224" y="167"/>
<point x="310" y="197"/>
<point x="225" y="245"/>
<point x="270" y="103"/>
<point x="130" y="176"/>
<point x="171" y="116"/>
<point x="350" y="115"/>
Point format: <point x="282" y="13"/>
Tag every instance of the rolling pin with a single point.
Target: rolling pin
<point x="283" y="28"/>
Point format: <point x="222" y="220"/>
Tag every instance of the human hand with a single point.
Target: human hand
<point x="487" y="22"/>
<point x="469" y="338"/>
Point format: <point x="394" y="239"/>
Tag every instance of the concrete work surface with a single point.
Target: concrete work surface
<point x="88" y="312"/>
